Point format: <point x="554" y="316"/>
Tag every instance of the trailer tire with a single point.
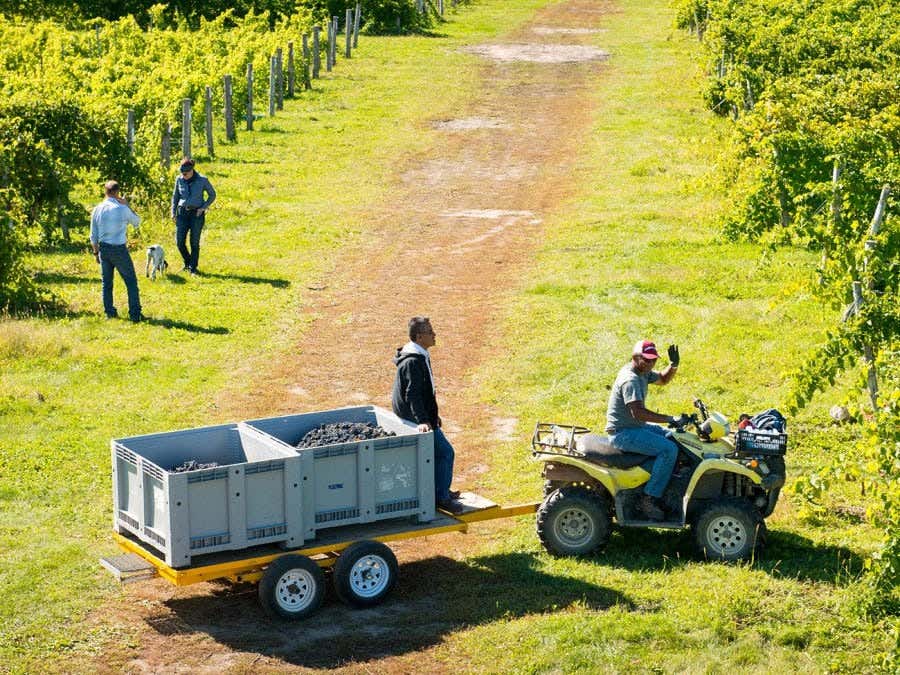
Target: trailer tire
<point x="292" y="587"/>
<point x="365" y="573"/>
<point x="574" y="521"/>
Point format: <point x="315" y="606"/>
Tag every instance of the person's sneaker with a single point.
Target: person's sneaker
<point x="138" y="318"/>
<point x="112" y="315"/>
<point x="652" y="507"/>
<point x="454" y="494"/>
<point x="451" y="506"/>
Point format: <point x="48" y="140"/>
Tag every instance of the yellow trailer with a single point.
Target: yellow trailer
<point x="292" y="581"/>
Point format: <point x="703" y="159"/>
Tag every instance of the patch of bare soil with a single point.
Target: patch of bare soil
<point x="539" y="53"/>
<point x="468" y="123"/>
<point x="552" y="30"/>
<point x="454" y="252"/>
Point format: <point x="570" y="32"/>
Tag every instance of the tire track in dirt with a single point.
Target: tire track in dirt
<point x="451" y="243"/>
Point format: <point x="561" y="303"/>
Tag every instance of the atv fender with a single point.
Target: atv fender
<point x="575" y="469"/>
<point x="722" y="465"/>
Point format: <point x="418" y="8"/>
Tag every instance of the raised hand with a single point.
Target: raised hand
<point x="674" y="356"/>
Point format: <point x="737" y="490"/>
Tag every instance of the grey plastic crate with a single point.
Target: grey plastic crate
<point x="362" y="481"/>
<point x="253" y="496"/>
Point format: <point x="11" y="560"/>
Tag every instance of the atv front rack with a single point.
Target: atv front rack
<point x="551" y="437"/>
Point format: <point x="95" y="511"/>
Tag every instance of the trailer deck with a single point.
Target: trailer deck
<point x="140" y="561"/>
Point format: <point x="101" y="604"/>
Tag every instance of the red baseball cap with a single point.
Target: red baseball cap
<point x="646" y="349"/>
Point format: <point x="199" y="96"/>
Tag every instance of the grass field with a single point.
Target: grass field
<point x="636" y="252"/>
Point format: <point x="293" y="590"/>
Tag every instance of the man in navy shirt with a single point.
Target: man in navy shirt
<point x="109" y="223"/>
<point x="191" y="199"/>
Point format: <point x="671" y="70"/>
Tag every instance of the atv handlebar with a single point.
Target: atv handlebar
<point x="683" y="420"/>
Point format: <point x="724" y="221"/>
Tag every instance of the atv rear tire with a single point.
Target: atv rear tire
<point x="574" y="521"/>
<point x="729" y="530"/>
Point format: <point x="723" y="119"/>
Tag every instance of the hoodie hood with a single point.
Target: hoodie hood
<point x="402" y="356"/>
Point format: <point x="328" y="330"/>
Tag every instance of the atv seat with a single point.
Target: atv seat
<point x="597" y="450"/>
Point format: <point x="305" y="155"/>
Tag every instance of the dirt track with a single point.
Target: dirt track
<point x="451" y="244"/>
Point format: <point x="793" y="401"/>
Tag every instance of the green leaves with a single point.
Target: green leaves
<point x="812" y="87"/>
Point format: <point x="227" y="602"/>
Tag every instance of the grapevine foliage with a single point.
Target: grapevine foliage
<point x="812" y="87"/>
<point x="65" y="97"/>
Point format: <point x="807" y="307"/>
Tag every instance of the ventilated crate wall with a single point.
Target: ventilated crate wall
<point x="362" y="481"/>
<point x="253" y="497"/>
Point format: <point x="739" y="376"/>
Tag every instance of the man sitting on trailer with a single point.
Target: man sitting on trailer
<point x="413" y="398"/>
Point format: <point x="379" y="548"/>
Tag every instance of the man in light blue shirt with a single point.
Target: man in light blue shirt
<point x="109" y="223"/>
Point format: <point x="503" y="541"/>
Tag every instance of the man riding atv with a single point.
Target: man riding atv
<point x="627" y="420"/>
<point x="696" y="475"/>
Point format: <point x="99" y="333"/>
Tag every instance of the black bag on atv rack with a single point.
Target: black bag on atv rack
<point x="766" y="435"/>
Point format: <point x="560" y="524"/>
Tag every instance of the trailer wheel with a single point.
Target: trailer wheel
<point x="574" y="521"/>
<point x="292" y="587"/>
<point x="365" y="573"/>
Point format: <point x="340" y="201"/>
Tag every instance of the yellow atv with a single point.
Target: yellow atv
<point x="723" y="486"/>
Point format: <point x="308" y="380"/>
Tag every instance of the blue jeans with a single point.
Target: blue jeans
<point x="443" y="465"/>
<point x="116" y="257"/>
<point x="189" y="222"/>
<point x="654" y="441"/>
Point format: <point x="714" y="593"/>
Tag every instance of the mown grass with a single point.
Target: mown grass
<point x="291" y="195"/>
<point x="635" y="253"/>
<point x="638" y="254"/>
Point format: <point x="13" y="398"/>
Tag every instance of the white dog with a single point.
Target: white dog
<point x="156" y="261"/>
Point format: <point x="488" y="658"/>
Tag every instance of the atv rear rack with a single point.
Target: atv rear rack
<point x="550" y="437"/>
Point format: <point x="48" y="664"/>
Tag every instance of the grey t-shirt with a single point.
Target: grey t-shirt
<point x="629" y="387"/>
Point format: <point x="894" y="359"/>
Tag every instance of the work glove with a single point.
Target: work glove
<point x="674" y="357"/>
<point x="681" y="421"/>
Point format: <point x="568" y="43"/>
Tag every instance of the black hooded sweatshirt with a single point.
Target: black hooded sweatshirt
<point x="413" y="394"/>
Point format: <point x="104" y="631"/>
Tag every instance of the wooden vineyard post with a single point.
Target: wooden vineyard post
<point x="209" y="121"/>
<point x="348" y="30"/>
<point x="272" y="65"/>
<point x="356" y="25"/>
<point x="290" y="70"/>
<point x="229" y="111"/>
<point x="186" y="127"/>
<point x="279" y="79"/>
<point x="250" y="96"/>
<point x="316" y="58"/>
<point x="329" y="41"/>
<point x="307" y="63"/>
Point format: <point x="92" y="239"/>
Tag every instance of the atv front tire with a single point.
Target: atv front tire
<point x="574" y="521"/>
<point x="729" y="530"/>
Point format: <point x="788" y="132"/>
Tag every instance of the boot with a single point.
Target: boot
<point x="652" y="507"/>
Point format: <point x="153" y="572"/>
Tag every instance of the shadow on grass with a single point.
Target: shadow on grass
<point x="434" y="598"/>
<point x="184" y="325"/>
<point x="60" y="278"/>
<point x="239" y="160"/>
<point x="244" y="279"/>
<point x="786" y="554"/>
